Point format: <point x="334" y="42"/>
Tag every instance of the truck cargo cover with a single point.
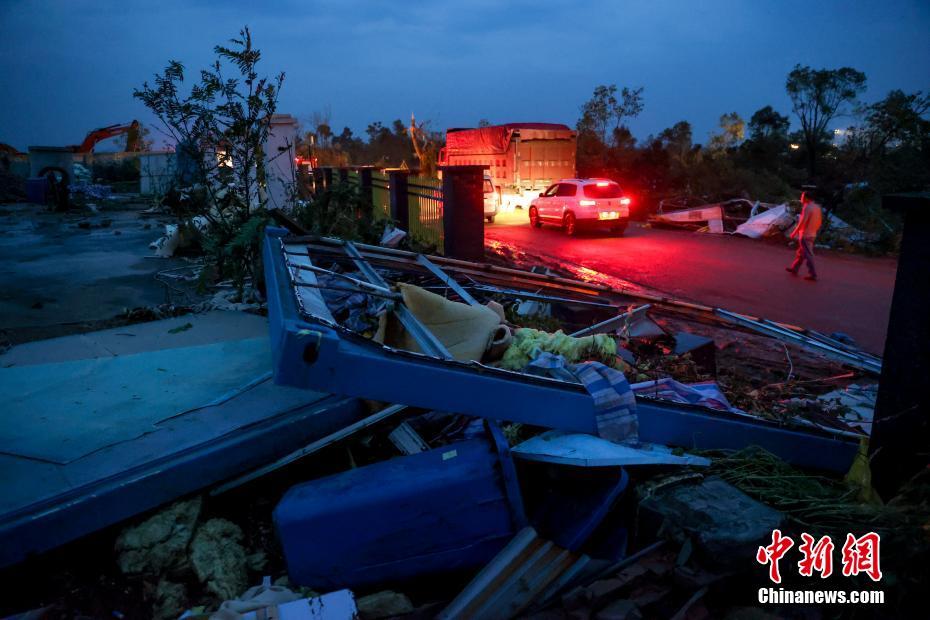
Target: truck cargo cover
<point x="497" y="138"/>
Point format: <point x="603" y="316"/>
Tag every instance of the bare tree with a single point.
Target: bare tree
<point x="425" y="145"/>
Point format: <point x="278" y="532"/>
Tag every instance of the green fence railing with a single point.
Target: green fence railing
<point x="424" y="203"/>
<point x="381" y="194"/>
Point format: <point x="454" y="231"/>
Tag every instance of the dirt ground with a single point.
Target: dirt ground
<point x="63" y="273"/>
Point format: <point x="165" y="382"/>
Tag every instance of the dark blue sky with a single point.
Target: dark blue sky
<point x="68" y="66"/>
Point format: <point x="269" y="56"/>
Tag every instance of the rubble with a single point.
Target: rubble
<point x="725" y="524"/>
<point x="170" y="600"/>
<point x="753" y="219"/>
<point x="384" y="604"/>
<point x="553" y="532"/>
<point x="159" y="543"/>
<point x="219" y="559"/>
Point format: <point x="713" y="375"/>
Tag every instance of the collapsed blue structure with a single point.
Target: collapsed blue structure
<point x="312" y="351"/>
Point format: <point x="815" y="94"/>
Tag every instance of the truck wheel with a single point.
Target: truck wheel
<point x="618" y="230"/>
<point x="569" y="225"/>
<point x="490" y="219"/>
<point x="534" y="218"/>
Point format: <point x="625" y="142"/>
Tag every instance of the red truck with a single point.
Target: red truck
<point x="523" y="158"/>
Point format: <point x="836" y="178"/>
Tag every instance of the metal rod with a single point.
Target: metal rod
<point x="359" y="283"/>
<point x="447" y="280"/>
<point x="423" y="336"/>
<point x="538" y="297"/>
<point x="309" y="449"/>
<point x="611" y="323"/>
<point x="773" y="330"/>
<point x="391" y="295"/>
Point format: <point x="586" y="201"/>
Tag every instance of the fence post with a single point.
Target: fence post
<point x="400" y="211"/>
<point x="364" y="186"/>
<point x="317" y="180"/>
<point x="328" y="178"/>
<point x="901" y="423"/>
<point x="343" y="175"/>
<point x="463" y="212"/>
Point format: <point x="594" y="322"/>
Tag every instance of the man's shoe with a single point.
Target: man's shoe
<point x="791" y="271"/>
<point x="811" y="278"/>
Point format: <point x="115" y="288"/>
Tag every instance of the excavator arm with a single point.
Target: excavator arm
<point x="95" y="136"/>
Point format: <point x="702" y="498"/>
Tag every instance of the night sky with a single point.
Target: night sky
<point x="69" y="66"/>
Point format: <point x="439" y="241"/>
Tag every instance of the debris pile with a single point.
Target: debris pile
<point x="753" y="219"/>
<point x="534" y="446"/>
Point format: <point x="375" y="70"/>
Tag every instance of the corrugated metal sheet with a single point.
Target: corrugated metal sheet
<point x="521" y="573"/>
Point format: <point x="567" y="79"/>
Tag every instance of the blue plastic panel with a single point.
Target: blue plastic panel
<point x="443" y="510"/>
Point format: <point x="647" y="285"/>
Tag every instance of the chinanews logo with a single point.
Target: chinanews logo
<point x="859" y="555"/>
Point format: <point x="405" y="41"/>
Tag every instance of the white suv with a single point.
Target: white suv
<point x="574" y="204"/>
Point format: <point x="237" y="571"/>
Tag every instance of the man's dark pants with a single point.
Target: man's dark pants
<point x="805" y="253"/>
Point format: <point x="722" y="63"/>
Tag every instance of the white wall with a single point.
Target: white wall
<point x="279" y="161"/>
<point x="156" y="172"/>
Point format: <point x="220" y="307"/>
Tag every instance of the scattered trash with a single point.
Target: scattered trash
<point x="465" y="331"/>
<point x="583" y="450"/>
<point x="749" y="218"/>
<point x="179" y="236"/>
<point x="254" y="599"/>
<point x="392" y="237"/>
<point x="406" y="440"/>
<point x="268" y="602"/>
<point x="90" y="190"/>
<point x="857" y="403"/>
<point x="766" y="222"/>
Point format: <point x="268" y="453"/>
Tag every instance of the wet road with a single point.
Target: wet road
<point x="853" y="294"/>
<point x="55" y="273"/>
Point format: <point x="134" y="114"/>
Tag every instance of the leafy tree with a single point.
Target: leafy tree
<point x="732" y="132"/>
<point x="221" y="126"/>
<point x="897" y="118"/>
<point x="603" y="114"/>
<point x="817" y="97"/>
<point x="767" y="124"/>
<point x="767" y="145"/>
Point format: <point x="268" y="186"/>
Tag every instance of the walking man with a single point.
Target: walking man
<point x="806" y="233"/>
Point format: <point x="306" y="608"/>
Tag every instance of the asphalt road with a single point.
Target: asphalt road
<point x="853" y="294"/>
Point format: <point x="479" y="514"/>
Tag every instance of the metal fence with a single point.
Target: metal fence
<point x="381" y="194"/>
<point x="424" y="204"/>
<point x="424" y="199"/>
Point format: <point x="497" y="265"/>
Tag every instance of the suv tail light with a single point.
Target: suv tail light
<point x="625" y="201"/>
